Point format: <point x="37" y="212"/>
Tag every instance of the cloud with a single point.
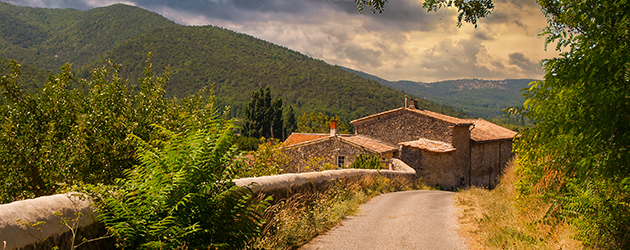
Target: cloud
<point x="525" y="64"/>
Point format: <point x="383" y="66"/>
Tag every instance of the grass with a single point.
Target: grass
<point x="294" y="221"/>
<point x="500" y="219"/>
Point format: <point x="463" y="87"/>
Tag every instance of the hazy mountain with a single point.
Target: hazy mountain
<point x="476" y="97"/>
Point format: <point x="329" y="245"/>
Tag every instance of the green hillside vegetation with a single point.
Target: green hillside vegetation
<point x="238" y="64"/>
<point x="233" y="64"/>
<point x="48" y="38"/>
<point x="32" y="77"/>
<point x="475" y="97"/>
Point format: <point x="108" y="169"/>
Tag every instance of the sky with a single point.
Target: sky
<point x="403" y="43"/>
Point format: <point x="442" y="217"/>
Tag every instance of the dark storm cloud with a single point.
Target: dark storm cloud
<point x="518" y="59"/>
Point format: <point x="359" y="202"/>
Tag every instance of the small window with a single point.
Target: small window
<point x="340" y="160"/>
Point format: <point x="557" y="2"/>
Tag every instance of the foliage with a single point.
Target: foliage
<point x="268" y="159"/>
<point x="316" y="164"/>
<point x="469" y="11"/>
<point x="246" y="144"/>
<point x="319" y="123"/>
<point x="578" y="151"/>
<point x="362" y="161"/>
<point x="62" y="135"/>
<point x="264" y="116"/>
<point x="290" y="123"/>
<point x="181" y="195"/>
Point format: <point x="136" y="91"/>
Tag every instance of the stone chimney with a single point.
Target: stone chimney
<point x="413" y="104"/>
<point x="406" y="102"/>
<point x="333" y="128"/>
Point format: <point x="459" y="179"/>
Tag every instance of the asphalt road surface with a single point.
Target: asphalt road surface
<point x="418" y="219"/>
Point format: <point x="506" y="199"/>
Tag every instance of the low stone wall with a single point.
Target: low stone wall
<point x="284" y="182"/>
<point x="34" y="223"/>
<point x="50" y="209"/>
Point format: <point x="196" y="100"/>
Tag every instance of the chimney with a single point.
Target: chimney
<point x="413" y="104"/>
<point x="406" y="102"/>
<point x="333" y="128"/>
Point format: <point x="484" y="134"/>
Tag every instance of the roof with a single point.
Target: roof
<point x="488" y="131"/>
<point x="299" y="140"/>
<point x="442" y="117"/>
<point x="369" y="143"/>
<point x="296" y="138"/>
<point x="430" y="145"/>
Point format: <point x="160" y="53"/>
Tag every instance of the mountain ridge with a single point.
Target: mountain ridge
<point x="477" y="97"/>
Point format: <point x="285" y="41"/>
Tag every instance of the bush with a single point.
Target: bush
<point x="182" y="194"/>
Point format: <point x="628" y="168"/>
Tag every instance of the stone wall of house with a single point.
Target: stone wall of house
<point x="327" y="150"/>
<point x="404" y="126"/>
<point x="488" y="162"/>
<point x="439" y="169"/>
<point x="436" y="169"/>
<point x="461" y="141"/>
<point x="412" y="157"/>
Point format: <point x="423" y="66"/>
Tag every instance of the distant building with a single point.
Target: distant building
<point x="444" y="150"/>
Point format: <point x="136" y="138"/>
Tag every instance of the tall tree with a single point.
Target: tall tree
<point x="290" y="123"/>
<point x="263" y="116"/>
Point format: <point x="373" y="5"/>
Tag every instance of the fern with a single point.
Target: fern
<point x="182" y="193"/>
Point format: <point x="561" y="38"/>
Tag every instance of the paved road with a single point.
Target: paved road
<point x="418" y="219"/>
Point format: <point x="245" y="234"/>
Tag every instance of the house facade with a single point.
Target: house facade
<point x="446" y="151"/>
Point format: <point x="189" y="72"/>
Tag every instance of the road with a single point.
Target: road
<point x="418" y="219"/>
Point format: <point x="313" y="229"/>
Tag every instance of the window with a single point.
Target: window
<point x="340" y="160"/>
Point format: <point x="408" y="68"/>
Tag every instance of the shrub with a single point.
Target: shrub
<point x="182" y="196"/>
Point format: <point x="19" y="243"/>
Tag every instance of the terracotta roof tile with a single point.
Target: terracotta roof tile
<point x="430" y="145"/>
<point x="446" y="118"/>
<point x="488" y="131"/>
<point x="369" y="143"/>
<point x="296" y="138"/>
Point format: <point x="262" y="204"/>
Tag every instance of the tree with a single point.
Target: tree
<point x="263" y="116"/>
<point x="578" y="152"/>
<point x="290" y="124"/>
<point x="62" y="135"/>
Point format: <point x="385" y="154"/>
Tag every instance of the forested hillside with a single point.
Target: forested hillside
<point x="238" y="64"/>
<point x="234" y="64"/>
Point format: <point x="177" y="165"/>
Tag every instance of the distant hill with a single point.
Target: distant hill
<point x="235" y="64"/>
<point x="479" y="98"/>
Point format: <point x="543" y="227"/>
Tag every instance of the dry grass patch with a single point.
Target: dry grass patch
<point x="499" y="219"/>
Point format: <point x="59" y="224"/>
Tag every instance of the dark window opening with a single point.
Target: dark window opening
<point x="340" y="161"/>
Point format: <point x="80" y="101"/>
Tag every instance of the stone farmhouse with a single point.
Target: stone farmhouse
<point x="445" y="151"/>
